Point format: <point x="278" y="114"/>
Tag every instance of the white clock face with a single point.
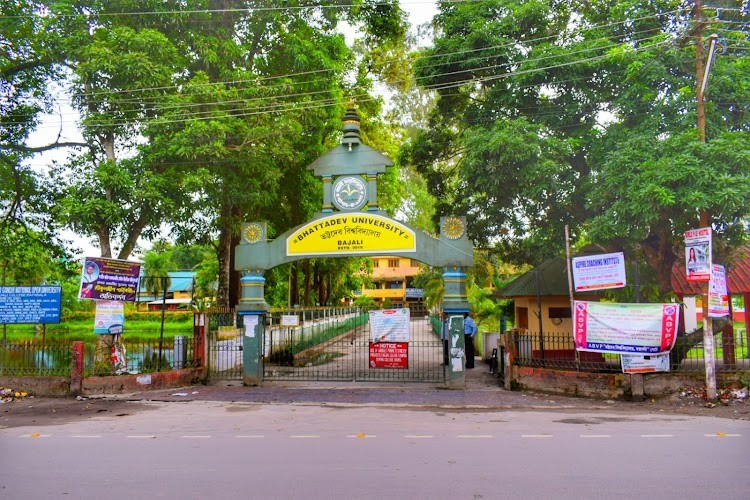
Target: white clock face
<point x="349" y="193"/>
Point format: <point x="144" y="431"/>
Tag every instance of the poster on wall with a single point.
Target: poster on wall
<point x="625" y="328"/>
<point x="109" y="279"/>
<point x="718" y="298"/>
<point x="632" y="363"/>
<point x="599" y="272"/>
<point x="698" y="254"/>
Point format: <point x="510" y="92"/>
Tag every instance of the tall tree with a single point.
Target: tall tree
<point x="550" y="112"/>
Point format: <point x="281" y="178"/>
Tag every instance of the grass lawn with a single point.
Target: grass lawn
<point x="83" y="329"/>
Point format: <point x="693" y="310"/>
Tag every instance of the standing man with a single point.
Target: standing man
<point x="470" y="330"/>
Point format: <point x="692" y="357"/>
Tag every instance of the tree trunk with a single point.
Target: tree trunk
<point x="294" y="284"/>
<point x="306" y="270"/>
<point x="224" y="256"/>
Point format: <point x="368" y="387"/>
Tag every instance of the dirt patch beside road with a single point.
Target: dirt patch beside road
<point x="33" y="411"/>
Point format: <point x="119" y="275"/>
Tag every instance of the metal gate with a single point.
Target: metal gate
<point x="223" y="346"/>
<point x="335" y="345"/>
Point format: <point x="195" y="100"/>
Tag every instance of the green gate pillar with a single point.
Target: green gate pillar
<point x="252" y="319"/>
<point x="455" y="304"/>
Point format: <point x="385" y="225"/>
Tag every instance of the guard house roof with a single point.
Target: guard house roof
<point x="351" y="157"/>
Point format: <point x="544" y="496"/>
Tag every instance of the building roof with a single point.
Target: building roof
<point x="179" y="281"/>
<point x="548" y="278"/>
<point x="738" y="275"/>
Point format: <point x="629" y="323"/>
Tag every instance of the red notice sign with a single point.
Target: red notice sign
<point x="389" y="355"/>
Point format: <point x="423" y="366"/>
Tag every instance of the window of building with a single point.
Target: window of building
<point x="414" y="263"/>
<point x="559" y="312"/>
<point x="393" y="262"/>
<point x="375" y="263"/>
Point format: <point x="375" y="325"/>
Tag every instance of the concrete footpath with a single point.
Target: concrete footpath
<point x="482" y="391"/>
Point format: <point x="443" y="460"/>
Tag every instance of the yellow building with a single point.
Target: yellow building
<point x="392" y="279"/>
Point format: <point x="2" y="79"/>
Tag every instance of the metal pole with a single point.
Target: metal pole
<point x="709" y="356"/>
<point x="570" y="290"/>
<point x="163" y="311"/>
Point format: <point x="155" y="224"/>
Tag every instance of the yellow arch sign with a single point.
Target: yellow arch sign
<point x="355" y="233"/>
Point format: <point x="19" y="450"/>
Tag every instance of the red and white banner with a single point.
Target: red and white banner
<point x="625" y="328"/>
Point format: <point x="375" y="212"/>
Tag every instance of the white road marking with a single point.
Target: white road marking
<point x="721" y="434"/>
<point x="361" y="436"/>
<point x="141" y="437"/>
<point x="35" y="435"/>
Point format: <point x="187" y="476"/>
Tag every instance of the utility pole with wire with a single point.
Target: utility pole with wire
<point x="709" y="354"/>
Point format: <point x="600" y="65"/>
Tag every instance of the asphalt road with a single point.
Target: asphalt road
<point x="202" y="449"/>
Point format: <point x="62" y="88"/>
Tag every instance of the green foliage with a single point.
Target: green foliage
<point x="584" y="115"/>
<point x="365" y="303"/>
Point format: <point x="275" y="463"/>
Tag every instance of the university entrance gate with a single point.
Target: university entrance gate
<point x="351" y="223"/>
<point x="337" y="345"/>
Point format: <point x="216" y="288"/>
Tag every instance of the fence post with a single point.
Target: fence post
<point x="199" y="339"/>
<point x="76" y="375"/>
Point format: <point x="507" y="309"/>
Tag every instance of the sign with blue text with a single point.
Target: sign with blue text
<point x="599" y="272"/>
<point x="30" y="304"/>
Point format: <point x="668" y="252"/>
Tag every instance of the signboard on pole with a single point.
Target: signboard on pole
<point x="109" y="279"/>
<point x="599" y="272"/>
<point x="30" y="304"/>
<point x="718" y="298"/>
<point x="698" y="254"/>
<point x="389" y="345"/>
<point x="625" y="328"/>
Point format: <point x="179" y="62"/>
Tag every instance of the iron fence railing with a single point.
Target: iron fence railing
<point x="31" y="358"/>
<point x="557" y="350"/>
<point x="115" y="357"/>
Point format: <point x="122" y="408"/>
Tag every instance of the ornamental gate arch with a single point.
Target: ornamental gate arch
<point x="351" y="223"/>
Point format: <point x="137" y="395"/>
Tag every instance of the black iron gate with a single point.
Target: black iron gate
<point x="335" y="345"/>
<point x="223" y="346"/>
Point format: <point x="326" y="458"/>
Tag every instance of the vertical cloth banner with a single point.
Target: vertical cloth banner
<point x="625" y="328"/>
<point x="718" y="298"/>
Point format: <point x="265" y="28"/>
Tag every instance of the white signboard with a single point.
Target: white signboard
<point x="718" y="298"/>
<point x="289" y="320"/>
<point x="390" y="325"/>
<point x="598" y="272"/>
<point x="644" y="364"/>
<point x="698" y="254"/>
<point x="625" y="328"/>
